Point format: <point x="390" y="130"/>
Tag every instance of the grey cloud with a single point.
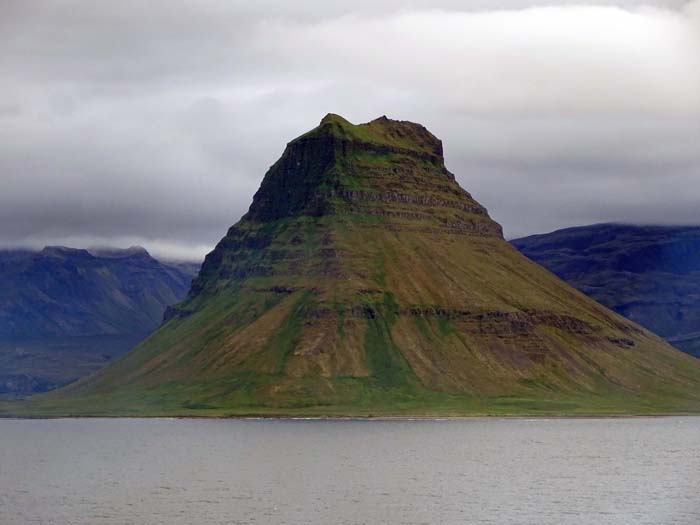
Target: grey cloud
<point x="153" y="122"/>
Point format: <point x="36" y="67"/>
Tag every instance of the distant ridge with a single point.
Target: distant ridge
<point x="65" y="312"/>
<point x="364" y="280"/>
<point x="648" y="273"/>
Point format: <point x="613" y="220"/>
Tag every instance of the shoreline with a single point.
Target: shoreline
<point x="434" y="418"/>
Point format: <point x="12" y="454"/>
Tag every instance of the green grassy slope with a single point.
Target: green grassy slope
<point x="364" y="280"/>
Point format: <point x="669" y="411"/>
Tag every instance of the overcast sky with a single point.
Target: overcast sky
<point x="153" y="123"/>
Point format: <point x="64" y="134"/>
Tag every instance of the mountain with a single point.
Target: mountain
<point x="65" y="312"/>
<point x="649" y="274"/>
<point x="365" y="280"/>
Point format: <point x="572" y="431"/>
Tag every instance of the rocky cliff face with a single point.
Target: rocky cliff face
<point x="384" y="173"/>
<point x="363" y="279"/>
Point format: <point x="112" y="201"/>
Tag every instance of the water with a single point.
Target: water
<point x="502" y="471"/>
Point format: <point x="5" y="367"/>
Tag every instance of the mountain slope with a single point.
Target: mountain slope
<point x="65" y="312"/>
<point x="364" y="280"/>
<point x="649" y="274"/>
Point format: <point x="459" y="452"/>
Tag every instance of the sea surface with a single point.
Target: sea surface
<point x="501" y="471"/>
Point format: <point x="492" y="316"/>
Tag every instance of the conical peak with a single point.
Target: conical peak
<point x="364" y="276"/>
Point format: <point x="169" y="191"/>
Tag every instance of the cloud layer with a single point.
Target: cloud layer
<point x="125" y="123"/>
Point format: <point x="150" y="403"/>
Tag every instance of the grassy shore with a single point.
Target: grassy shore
<point x="47" y="406"/>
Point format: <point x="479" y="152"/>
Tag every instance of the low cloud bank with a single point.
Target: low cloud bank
<point x="154" y="124"/>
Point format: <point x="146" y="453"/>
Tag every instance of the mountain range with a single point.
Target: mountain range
<point x="364" y="280"/>
<point x="66" y="312"/>
<point x="649" y="274"/>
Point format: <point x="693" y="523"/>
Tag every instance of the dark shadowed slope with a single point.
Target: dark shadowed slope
<point x="364" y="280"/>
<point x="649" y="274"/>
<point x="66" y="312"/>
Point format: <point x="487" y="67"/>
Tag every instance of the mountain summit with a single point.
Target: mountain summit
<point x="365" y="280"/>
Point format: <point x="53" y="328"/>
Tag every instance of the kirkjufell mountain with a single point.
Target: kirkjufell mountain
<point x="364" y="280"/>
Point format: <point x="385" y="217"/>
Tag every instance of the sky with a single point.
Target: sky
<point x="152" y="123"/>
